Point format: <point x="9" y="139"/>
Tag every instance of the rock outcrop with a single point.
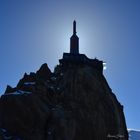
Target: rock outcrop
<point x="74" y="102"/>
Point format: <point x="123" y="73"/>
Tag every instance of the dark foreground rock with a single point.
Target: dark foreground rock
<point x="73" y="103"/>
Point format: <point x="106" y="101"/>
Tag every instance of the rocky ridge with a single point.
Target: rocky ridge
<point x="72" y="103"/>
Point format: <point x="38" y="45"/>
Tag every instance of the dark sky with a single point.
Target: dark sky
<point x="33" y="32"/>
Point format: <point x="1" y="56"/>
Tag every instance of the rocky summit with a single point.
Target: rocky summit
<point x="74" y="102"/>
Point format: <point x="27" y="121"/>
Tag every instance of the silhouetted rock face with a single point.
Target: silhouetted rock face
<point x="24" y="116"/>
<point x="44" y="72"/>
<point x="73" y="103"/>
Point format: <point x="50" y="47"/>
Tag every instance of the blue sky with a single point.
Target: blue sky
<point x="33" y="32"/>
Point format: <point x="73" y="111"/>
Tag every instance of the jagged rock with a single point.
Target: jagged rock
<point x="73" y="103"/>
<point x="90" y="109"/>
<point x="9" y="89"/>
<point x="44" y="72"/>
<point x="26" y="78"/>
<point x="25" y="116"/>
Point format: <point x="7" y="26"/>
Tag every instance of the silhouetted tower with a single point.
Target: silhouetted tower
<point x="74" y="41"/>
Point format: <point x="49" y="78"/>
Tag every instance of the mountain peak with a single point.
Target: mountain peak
<point x="74" y="102"/>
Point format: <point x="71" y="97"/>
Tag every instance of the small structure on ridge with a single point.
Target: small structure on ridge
<point x="74" y="57"/>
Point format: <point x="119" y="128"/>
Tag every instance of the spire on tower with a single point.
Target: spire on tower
<point x="74" y="27"/>
<point x="74" y="41"/>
